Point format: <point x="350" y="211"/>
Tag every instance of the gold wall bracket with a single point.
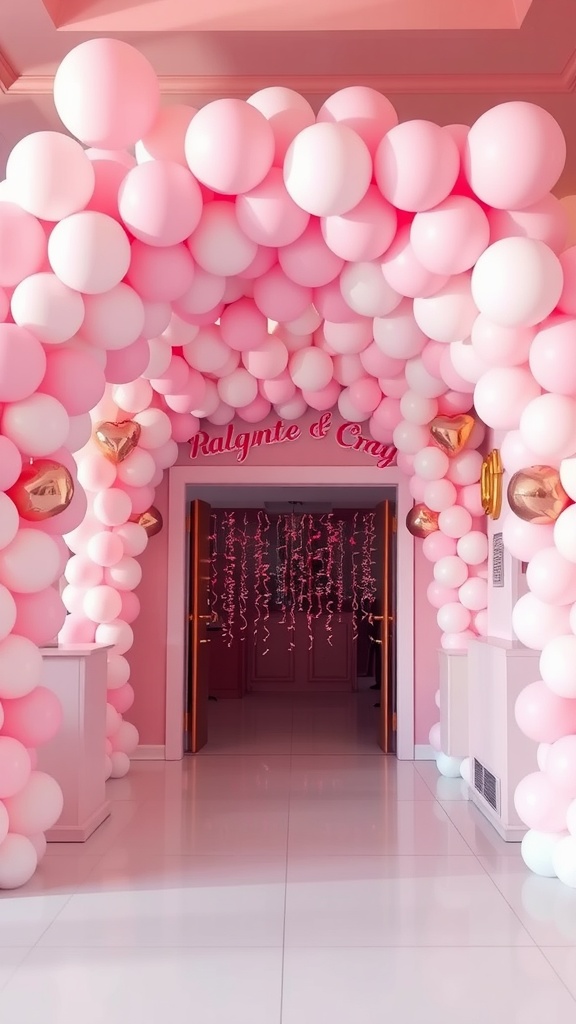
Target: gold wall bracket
<point x="491" y="484"/>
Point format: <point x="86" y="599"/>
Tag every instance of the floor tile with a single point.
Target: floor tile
<point x="410" y="986"/>
<point x="365" y="825"/>
<point x="325" y="777"/>
<point x="10" y="960"/>
<point x="546" y="908"/>
<point x="481" y="837"/>
<point x="397" y="901"/>
<point x="137" y="986"/>
<point x="563" y="960"/>
<point x="25" y="918"/>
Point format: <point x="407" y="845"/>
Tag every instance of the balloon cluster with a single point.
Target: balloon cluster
<point x="174" y="265"/>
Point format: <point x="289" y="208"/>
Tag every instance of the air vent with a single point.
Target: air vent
<point x="487" y="785"/>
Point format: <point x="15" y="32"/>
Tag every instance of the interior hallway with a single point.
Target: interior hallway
<point x="290" y="874"/>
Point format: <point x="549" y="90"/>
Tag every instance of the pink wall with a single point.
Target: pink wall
<point x="148" y="655"/>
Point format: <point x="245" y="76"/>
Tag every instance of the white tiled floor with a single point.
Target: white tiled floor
<point x="290" y="874"/>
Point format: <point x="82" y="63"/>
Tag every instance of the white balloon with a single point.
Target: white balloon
<point x="449" y="767"/>
<point x="538" y="850"/>
<point x="39" y="425"/>
<point x="564" y="860"/>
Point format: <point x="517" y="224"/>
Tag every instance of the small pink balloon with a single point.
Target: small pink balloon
<point x="279" y="298"/>
<point x="77" y="629"/>
<point x="448" y="315"/>
<point x="440" y="495"/>
<point x="243" y="327"/>
<point x="548" y="426"/>
<point x="287" y="113"/>
<point x="455" y="522"/>
<point x="121" y="699"/>
<point x="264" y="259"/>
<point x="127" y="364"/>
<point x="545" y="220"/>
<point x="517" y="282"/>
<point x="39" y="616"/>
<point x="347" y="369"/>
<point x="388" y="413"/>
<point x="74" y="378"/>
<point x="365" y="394"/>
<point x="453" y="618"/>
<point x="89" y="252"/>
<point x="436" y="546"/>
<point x="105" y="548"/>
<point x="173" y="379"/>
<point x="106" y="93"/>
<point x="160" y="202"/>
<point x="450" y="571"/>
<point x="141" y="498"/>
<point x="165" y="139"/>
<point x="347" y="338"/>
<point x="417" y="408"/>
<point x="256" y="411"/>
<point x="540" y="805"/>
<point x="160" y="274"/>
<point x="536" y="623"/>
<point x="10" y="463"/>
<point x="342" y="169"/>
<point x="416" y="485"/>
<point x="49" y="175"/>
<point x="439" y="595"/>
<point x="470" y="498"/>
<point x="203" y="296"/>
<point x="311" y="369"/>
<point x="331" y="304"/>
<point x="398" y="334"/>
<point x="567" y="300"/>
<point x="229" y="146"/>
<point x="280" y="389"/>
<point x="22" y="363"/>
<point x="416" y="165"/>
<point x="369" y="113"/>
<point x="449" y="238"/>
<point x="268" y="361"/>
<point x="308" y="261"/>
<point x="238" y="389"/>
<point x="453" y="403"/>
<point x="15" y="767"/>
<point x="377" y="364"/>
<point x="551" y="353"/>
<point x="323" y="399"/>
<point x="190" y="397"/>
<point x="34" y="719"/>
<point x="404" y="272"/>
<point x="218" y="244"/>
<point x="109" y="174"/>
<point x="365" y="232"/>
<point x="501" y="346"/>
<point x="22" y="245"/>
<point x="502" y="394"/>
<point x="523" y="539"/>
<point x="268" y="215"/>
<point x="473" y="593"/>
<point x="130" y="609"/>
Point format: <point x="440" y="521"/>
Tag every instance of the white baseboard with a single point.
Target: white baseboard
<point x="424" y="752"/>
<point x="150" y="752"/>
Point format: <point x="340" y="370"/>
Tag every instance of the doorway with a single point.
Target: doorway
<point x="292" y="596"/>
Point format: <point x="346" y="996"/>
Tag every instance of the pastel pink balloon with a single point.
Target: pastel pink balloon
<point x="280" y="298"/>
<point x="331" y="304"/>
<point x="502" y="395"/>
<point x="75" y="379"/>
<point x="52" y="311"/>
<point x="388" y="413"/>
<point x="49" y="175"/>
<point x="256" y="411"/>
<point x="449" y="238"/>
<point x="113" y="320"/>
<point x="130" y="608"/>
<point x="105" y="548"/>
<point x="365" y="394"/>
<point x="280" y="389"/>
<point x="243" y="327"/>
<point x="377" y="364"/>
<point x="453" y="403"/>
<point x="160" y="202"/>
<point x="369" y="113"/>
<point x="109" y="173"/>
<point x="366" y="290"/>
<point x="557" y="664"/>
<point x="229" y="146"/>
<point x="473" y="593"/>
<point x="165" y="139"/>
<point x="139" y="468"/>
<point x="173" y="379"/>
<point x="548" y="426"/>
<point x="342" y="169"/>
<point x="33" y="719"/>
<point x="38" y="425"/>
<point x="450" y="571"/>
<point x="218" y="244"/>
<point x="440" y="495"/>
<point x="416" y="485"/>
<point x="347" y="369"/>
<point x="416" y="165"/>
<point x="545" y="220"/>
<point x="122" y="699"/>
<point x="515" y="154"/>
<point x="465" y="467"/>
<point x="514" y="453"/>
<point x="536" y="623"/>
<point x="540" y="805"/>
<point x="287" y="113"/>
<point x="567" y="300"/>
<point x="365" y="232"/>
<point x="127" y="364"/>
<point x="37" y="806"/>
<point x="204" y="294"/>
<point x="453" y="618"/>
<point x="106" y="93"/>
<point x="77" y="629"/>
<point x="347" y="338"/>
<point x="190" y="397"/>
<point x="238" y="389"/>
<point x="112" y="506"/>
<point x="15" y="767"/>
<point x="39" y="616"/>
<point x="403" y="271"/>
<point x="439" y="595"/>
<point x="397" y="334"/>
<point x="501" y="346"/>
<point x="10" y="463"/>
<point x="308" y="261"/>
<point x="523" y="539"/>
<point x="561" y="765"/>
<point x="268" y="361"/>
<point x="311" y="369"/>
<point x="141" y="498"/>
<point x="551" y="354"/>
<point x="409" y="438"/>
<point x="517" y="282"/>
<point x="471" y="499"/>
<point x="22" y="245"/>
<point x="22" y="363"/>
<point x="325" y="398"/>
<point x="430" y="463"/>
<point x="102" y="604"/>
<point x="436" y="546"/>
<point x="268" y="215"/>
<point x="448" y="315"/>
<point x="89" y="252"/>
<point x="160" y="274"/>
<point x="455" y="522"/>
<point x="431" y="355"/>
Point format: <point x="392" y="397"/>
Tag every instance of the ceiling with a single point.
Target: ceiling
<point x="312" y="498"/>
<point x="447" y="60"/>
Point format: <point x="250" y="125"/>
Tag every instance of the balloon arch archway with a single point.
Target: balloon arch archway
<point x="174" y="265"/>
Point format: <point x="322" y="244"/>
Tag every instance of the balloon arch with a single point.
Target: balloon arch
<point x="254" y="256"/>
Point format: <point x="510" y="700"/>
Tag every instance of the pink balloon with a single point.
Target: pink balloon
<point x="536" y="623"/>
<point x="113" y="320"/>
<point x="102" y="604"/>
<point x="514" y="453"/>
<point x="268" y="215"/>
<point x="561" y="765"/>
<point x="33" y="719"/>
<point x="365" y="394"/>
<point x="190" y="397"/>
<point x="369" y="113"/>
<point x="473" y="593"/>
<point x="366" y="290"/>
<point x="121" y="699"/>
<point x="436" y="546"/>
<point x="40" y="616"/>
<point x="15" y="767"/>
<point x="502" y="394"/>
<point x="453" y="403"/>
<point x="10" y="463"/>
<point x="311" y="369"/>
<point x="105" y="548"/>
<point x="455" y="522"/>
<point x="112" y="507"/>
<point x="49" y="309"/>
<point x="106" y="93"/>
<point x="243" y="327"/>
<point x="471" y="499"/>
<point x="229" y="146"/>
<point x="22" y="363"/>
<point x="539" y="804"/>
<point x="342" y="169"/>
<point x="256" y="411"/>
<point x="141" y="498"/>
<point x="567" y="300"/>
<point x="545" y="220"/>
<point x="238" y="389"/>
<point x="109" y="173"/>
<point x="280" y="389"/>
<point x="268" y="361"/>
<point x="548" y="426"/>
<point x="440" y="495"/>
<point x="173" y="379"/>
<point x="160" y="202"/>
<point x="410" y="438"/>
<point x="365" y="232"/>
<point x="523" y="540"/>
<point x="183" y="427"/>
<point x="77" y="629"/>
<point x="331" y="304"/>
<point x="517" y="282"/>
<point x="264" y="260"/>
<point x="551" y="356"/>
<point x="448" y="315"/>
<point x="348" y="338"/>
<point x="430" y="462"/>
<point x="22" y="245"/>
<point x="404" y="272"/>
<point x="347" y="369"/>
<point x="37" y="806"/>
<point x="501" y="346"/>
<point x="451" y="571"/>
<point x="49" y="175"/>
<point x="218" y="244"/>
<point x="439" y="595"/>
<point x="89" y="252"/>
<point x="308" y="261"/>
<point x="398" y="335"/>
<point x="75" y="379"/>
<point x="465" y="467"/>
<point x="416" y="485"/>
<point x="449" y="238"/>
<point x="160" y="274"/>
<point x="279" y="298"/>
<point x="377" y="364"/>
<point x="416" y="165"/>
<point x="204" y="295"/>
<point x="127" y="364"/>
<point x="287" y="113"/>
<point x="130" y="608"/>
<point x="165" y="139"/>
<point x="515" y="154"/>
<point x="323" y="399"/>
<point x="453" y="618"/>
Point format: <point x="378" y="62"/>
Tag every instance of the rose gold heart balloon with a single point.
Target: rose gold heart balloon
<point x="151" y="521"/>
<point x="537" y="496"/>
<point x="421" y="521"/>
<point x="450" y="433"/>
<point x="117" y="440"/>
<point x="43" y="490"/>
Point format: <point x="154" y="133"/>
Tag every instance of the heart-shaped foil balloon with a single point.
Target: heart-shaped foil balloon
<point x="117" y="440"/>
<point x="537" y="496"/>
<point x="421" y="521"/>
<point x="43" y="490"/>
<point x="151" y="520"/>
<point x="450" y="433"/>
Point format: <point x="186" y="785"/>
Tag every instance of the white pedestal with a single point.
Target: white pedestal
<point x="76" y="673"/>
<point x="498" y="671"/>
<point x="454" y="703"/>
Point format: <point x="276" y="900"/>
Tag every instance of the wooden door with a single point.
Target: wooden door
<point x="196" y="723"/>
<point x="385" y="532"/>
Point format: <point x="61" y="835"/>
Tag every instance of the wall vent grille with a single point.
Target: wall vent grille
<point x="487" y="785"/>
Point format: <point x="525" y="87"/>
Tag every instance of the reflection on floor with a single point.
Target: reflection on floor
<point x="289" y="875"/>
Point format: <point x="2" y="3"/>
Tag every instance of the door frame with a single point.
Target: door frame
<point x="182" y="478"/>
